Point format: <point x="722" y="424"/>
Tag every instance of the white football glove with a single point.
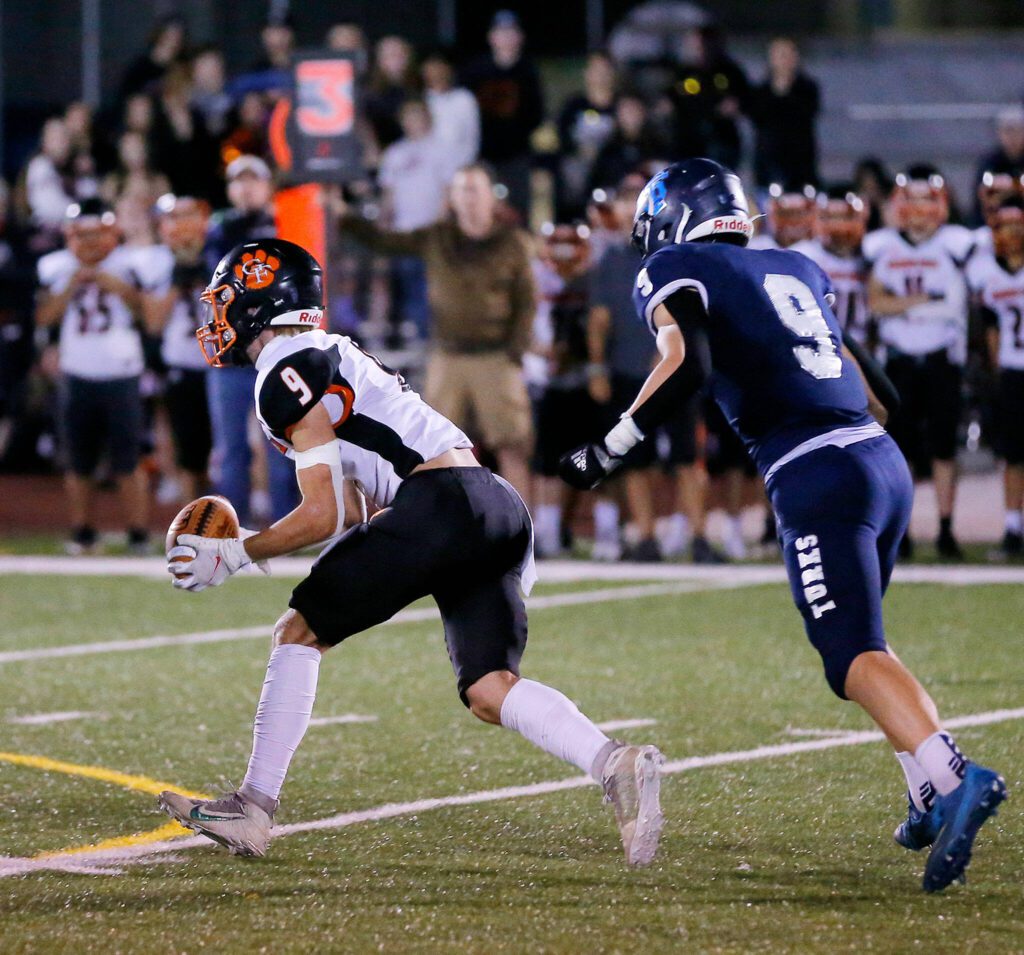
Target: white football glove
<point x="210" y="562"/>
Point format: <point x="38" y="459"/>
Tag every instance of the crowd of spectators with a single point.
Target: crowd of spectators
<point x="526" y="340"/>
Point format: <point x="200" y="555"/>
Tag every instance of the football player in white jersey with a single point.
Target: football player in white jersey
<point x="918" y="295"/>
<point x="93" y="290"/>
<point x="446" y="527"/>
<point x="996" y="279"/>
<point x="839" y="229"/>
<point x="173" y="312"/>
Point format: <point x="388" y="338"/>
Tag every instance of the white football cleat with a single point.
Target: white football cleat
<point x="233" y="820"/>
<point x="632" y="784"/>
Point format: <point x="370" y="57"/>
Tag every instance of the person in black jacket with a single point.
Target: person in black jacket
<point x="784" y="111"/>
<point x="507" y="87"/>
<point x="632" y="144"/>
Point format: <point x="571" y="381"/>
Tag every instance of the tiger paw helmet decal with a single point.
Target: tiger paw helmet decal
<point x="257" y="269"/>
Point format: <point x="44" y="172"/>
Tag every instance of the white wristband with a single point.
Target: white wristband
<point x="624" y="436"/>
<point x="322" y="454"/>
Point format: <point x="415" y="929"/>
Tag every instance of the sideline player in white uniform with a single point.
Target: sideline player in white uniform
<point x="918" y="295"/>
<point x="173" y="311"/>
<point x="94" y="290"/>
<point x="993" y="189"/>
<point x="447" y="527"/>
<point x="789" y="214"/>
<point x="836" y="249"/>
<point x="996" y="279"/>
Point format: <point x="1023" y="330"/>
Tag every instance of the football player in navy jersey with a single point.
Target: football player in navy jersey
<point x="759" y="326"/>
<point x="446" y="527"/>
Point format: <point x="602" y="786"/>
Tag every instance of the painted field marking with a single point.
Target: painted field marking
<point x="143" y="784"/>
<point x="106" y="860"/>
<point x="41" y="719"/>
<point x="551" y="571"/>
<point x="343" y="718"/>
<point x="418" y="615"/>
<point x="612" y="725"/>
<point x="824" y="734"/>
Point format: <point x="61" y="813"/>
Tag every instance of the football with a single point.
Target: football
<point x="208" y="516"/>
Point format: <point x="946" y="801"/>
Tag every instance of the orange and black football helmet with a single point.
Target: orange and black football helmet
<point x="1007" y="224"/>
<point x="842" y="218"/>
<point x="920" y="200"/>
<point x="258" y="285"/>
<point x="791" y="213"/>
<point x="566" y="247"/>
<point x="994" y="189"/>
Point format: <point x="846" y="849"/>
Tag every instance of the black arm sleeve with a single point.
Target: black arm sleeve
<point x="885" y="391"/>
<point x="686" y="307"/>
<point x="292" y="388"/>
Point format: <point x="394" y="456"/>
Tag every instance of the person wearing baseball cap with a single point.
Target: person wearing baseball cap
<point x="250" y="191"/>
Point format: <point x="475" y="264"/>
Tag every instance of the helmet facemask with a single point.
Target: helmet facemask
<point x="217" y="337"/>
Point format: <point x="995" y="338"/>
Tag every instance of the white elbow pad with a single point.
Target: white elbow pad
<point x="329" y="454"/>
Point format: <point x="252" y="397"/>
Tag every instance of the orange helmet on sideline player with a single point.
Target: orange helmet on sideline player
<point x="994" y="189"/>
<point x="1007" y="224"/>
<point x="920" y="201"/>
<point x="791" y="214"/>
<point x="842" y="219"/>
<point x="90" y="230"/>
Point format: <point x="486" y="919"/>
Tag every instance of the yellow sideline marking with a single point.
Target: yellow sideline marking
<point x="142" y="784"/>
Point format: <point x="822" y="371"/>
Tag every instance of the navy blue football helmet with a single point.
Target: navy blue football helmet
<point x="691" y="200"/>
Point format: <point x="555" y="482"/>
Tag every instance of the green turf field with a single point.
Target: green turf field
<point x="790" y="853"/>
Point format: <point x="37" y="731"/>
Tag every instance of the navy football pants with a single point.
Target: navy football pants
<point x="841" y="515"/>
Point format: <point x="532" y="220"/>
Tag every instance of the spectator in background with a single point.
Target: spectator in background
<point x="166" y="46"/>
<point x="585" y="124"/>
<point x="91" y="290"/>
<point x="453" y="110"/>
<point x="138" y="114"/>
<point x="173" y="312"/>
<point x="16" y="325"/>
<point x="393" y="80"/>
<point x="507" y="87"/>
<point x="181" y="147"/>
<point x="350" y="38"/>
<point x="482" y="299"/>
<point x="631" y="145"/>
<point x="47" y="186"/>
<point x="133" y="176"/>
<point x="784" y="111"/>
<point x="278" y="39"/>
<point x="230" y="389"/>
<point x="90" y="155"/>
<point x="414" y="173"/>
<point x="873" y="183"/>
<point x="706" y="97"/>
<point x="209" y="96"/>
<point x="247" y="135"/>
<point x="1008" y="156"/>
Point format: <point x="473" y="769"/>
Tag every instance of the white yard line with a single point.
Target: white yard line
<point x="41" y="719"/>
<point x="106" y="861"/>
<point x="825" y="734"/>
<point x="405" y="616"/>
<point x="343" y="718"/>
<point x="551" y="571"/>
<point x="612" y="725"/>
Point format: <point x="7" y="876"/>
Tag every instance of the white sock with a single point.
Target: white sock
<point x="282" y="716"/>
<point x="547" y="527"/>
<point x="606" y="522"/>
<point x="550" y="720"/>
<point x="734" y="526"/>
<point x="919" y="786"/>
<point x="1013" y="523"/>
<point x="941" y="760"/>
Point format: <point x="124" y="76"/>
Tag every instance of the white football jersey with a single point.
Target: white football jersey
<point x="763" y="241"/>
<point x="849" y="282"/>
<point x="178" y="345"/>
<point x="934" y="268"/>
<point x="1001" y="297"/>
<point x="385" y="429"/>
<point x="982" y="239"/>
<point x="99" y="338"/>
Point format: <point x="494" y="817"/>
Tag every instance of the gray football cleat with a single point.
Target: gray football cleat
<point x="632" y="784"/>
<point x="234" y="820"/>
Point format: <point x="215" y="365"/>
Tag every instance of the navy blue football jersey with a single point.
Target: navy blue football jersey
<point x="777" y="369"/>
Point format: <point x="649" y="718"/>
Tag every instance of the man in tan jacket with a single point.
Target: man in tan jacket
<point x="481" y="291"/>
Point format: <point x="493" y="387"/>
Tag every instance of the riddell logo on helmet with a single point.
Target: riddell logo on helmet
<point x="257" y="270"/>
<point x="731" y="224"/>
